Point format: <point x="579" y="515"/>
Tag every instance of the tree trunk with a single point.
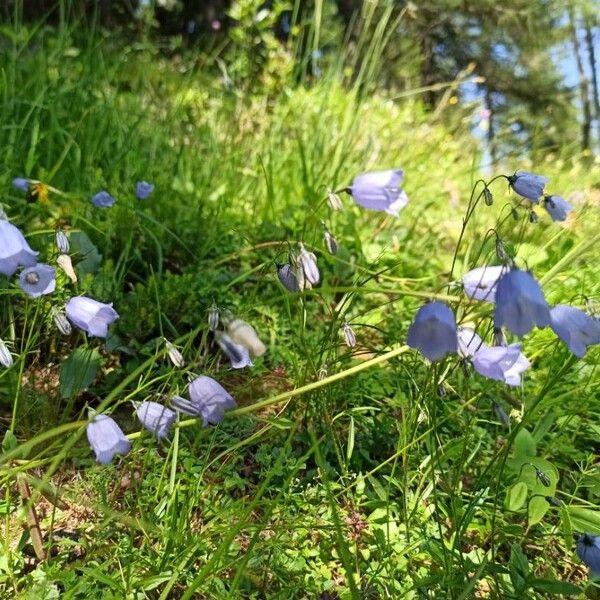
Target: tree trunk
<point x="583" y="86"/>
<point x="595" y="91"/>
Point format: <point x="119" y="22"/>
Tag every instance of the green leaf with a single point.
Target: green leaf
<point x="567" y="527"/>
<point x="88" y="258"/>
<point x="516" y="496"/>
<point x="78" y="371"/>
<point x="9" y="442"/>
<point x="585" y="519"/>
<point x="524" y="445"/>
<point x="538" y="507"/>
<point x="532" y="254"/>
<point x="554" y="587"/>
<point x="519" y="568"/>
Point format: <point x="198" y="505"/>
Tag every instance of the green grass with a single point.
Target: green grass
<point x="365" y="484"/>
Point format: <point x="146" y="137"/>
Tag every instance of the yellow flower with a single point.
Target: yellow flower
<point x="38" y="191"/>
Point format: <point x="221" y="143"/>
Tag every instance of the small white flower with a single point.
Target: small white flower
<point x="6" y="358"/>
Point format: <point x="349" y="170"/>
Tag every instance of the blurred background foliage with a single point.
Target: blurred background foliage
<point x="530" y="64"/>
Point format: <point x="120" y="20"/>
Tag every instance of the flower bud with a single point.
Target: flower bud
<point x="61" y="321"/>
<point x="288" y="278"/>
<point x="487" y="196"/>
<point x="335" y="202"/>
<point x="213" y="317"/>
<point x="62" y="242"/>
<point x="174" y="355"/>
<point x="6" y="358"/>
<point x="330" y="242"/>
<point x="349" y="336"/>
<point x="308" y="262"/>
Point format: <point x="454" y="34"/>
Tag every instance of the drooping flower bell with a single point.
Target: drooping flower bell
<point x="106" y="438"/>
<point x="14" y="250"/>
<point x="502" y="363"/>
<point x="103" y="199"/>
<point x="91" y="316"/>
<point x="6" y="359"/>
<point x="244" y="334"/>
<point x="520" y="303"/>
<point x="558" y="208"/>
<point x="21" y="184"/>
<point x="528" y="185"/>
<point x="38" y="280"/>
<point x="481" y="283"/>
<point x="208" y="399"/>
<point x="330" y="242"/>
<point x="588" y="550"/>
<point x="288" y="278"/>
<point x="155" y="417"/>
<point x="380" y="190"/>
<point x="238" y="355"/>
<point x="62" y="241"/>
<point x="143" y="189"/>
<point x="575" y="328"/>
<point x="433" y="331"/>
<point x="308" y="262"/>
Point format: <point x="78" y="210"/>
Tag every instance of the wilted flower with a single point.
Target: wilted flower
<point x="90" y="315"/>
<point x="61" y="321"/>
<point x="501" y="252"/>
<point x="38" y="280"/>
<point x="208" y="399"/>
<point x="6" y="359"/>
<point x="244" y="334"/>
<point x="143" y="189"/>
<point x="349" y="336"/>
<point x="237" y="354"/>
<point x="106" y="438"/>
<point x="213" y="317"/>
<point x="174" y="355"/>
<point x="330" y="242"/>
<point x="62" y="241"/>
<point x="21" y="184"/>
<point x="65" y="263"/>
<point x="433" y="331"/>
<point x="588" y="550"/>
<point x="558" y="208"/>
<point x="480" y="283"/>
<point x="155" y="417"/>
<point x="14" y="250"/>
<point x="103" y="199"/>
<point x="502" y="363"/>
<point x="520" y="303"/>
<point x="528" y="185"/>
<point x="334" y="200"/>
<point x="575" y="328"/>
<point x="308" y="262"/>
<point x="288" y="279"/>
<point x="380" y="190"/>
